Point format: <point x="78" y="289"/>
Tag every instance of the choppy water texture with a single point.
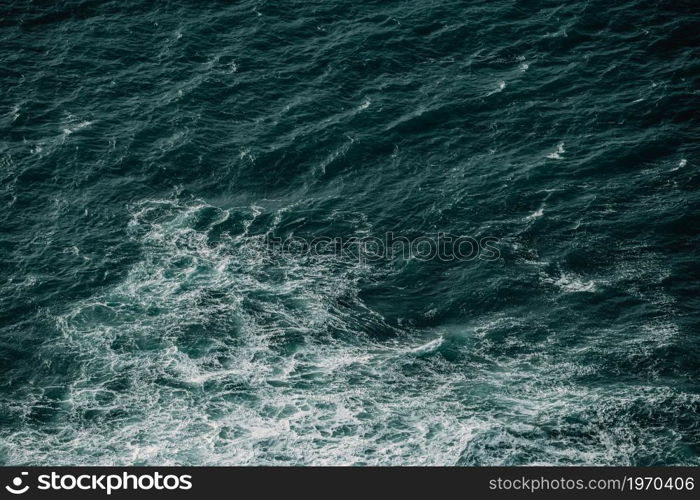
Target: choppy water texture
<point x="147" y="145"/>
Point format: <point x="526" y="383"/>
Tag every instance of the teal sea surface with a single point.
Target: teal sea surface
<point x="150" y="149"/>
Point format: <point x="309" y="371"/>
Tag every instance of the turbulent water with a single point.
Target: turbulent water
<point x="150" y="149"/>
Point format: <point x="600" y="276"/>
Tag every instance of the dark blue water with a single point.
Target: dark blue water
<point x="150" y="149"/>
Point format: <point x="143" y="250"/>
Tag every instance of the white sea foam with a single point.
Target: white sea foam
<point x="428" y="347"/>
<point x="193" y="336"/>
<point x="556" y="155"/>
<point x="14" y="114"/>
<point x="499" y="88"/>
<point x="536" y="214"/>
<point x="569" y="282"/>
<point x="75" y="127"/>
<point x="188" y="360"/>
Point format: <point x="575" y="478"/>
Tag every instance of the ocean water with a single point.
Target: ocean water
<point x="148" y="150"/>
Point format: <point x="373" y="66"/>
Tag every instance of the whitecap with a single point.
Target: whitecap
<point x="556" y="155"/>
<point x="428" y="347"/>
<point x="501" y="86"/>
<point x="682" y="163"/>
<point x="245" y="154"/>
<point x="14" y="114"/>
<point x="537" y="213"/>
<point x="74" y="128"/>
<point x="571" y="283"/>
